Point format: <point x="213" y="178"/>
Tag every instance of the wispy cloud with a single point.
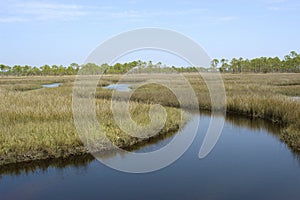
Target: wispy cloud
<point x="284" y="8"/>
<point x="29" y="11"/>
<point x="24" y="11"/>
<point x="44" y="11"/>
<point x="11" y="19"/>
<point x="283" y="5"/>
<point x="143" y="15"/>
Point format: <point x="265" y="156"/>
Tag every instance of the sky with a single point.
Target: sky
<point x="63" y="31"/>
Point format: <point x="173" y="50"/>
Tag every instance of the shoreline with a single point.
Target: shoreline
<point x="81" y="151"/>
<point x="266" y="100"/>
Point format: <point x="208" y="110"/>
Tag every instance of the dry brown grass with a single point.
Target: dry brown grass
<point x="266" y="96"/>
<point x="38" y="124"/>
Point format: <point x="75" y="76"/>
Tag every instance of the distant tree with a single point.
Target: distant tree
<point x="91" y="68"/>
<point x="72" y="69"/>
<point x="26" y="70"/>
<point x="234" y="65"/>
<point x="4" y="69"/>
<point x="35" y="71"/>
<point x="17" y="70"/>
<point x="290" y="63"/>
<point x="214" y="64"/>
<point x="224" y="65"/>
<point x="45" y="69"/>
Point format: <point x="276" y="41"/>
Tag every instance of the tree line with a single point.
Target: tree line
<point x="72" y="69"/>
<point x="290" y="63"/>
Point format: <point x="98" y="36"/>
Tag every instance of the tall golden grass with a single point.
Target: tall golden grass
<point x="38" y="123"/>
<point x="266" y="96"/>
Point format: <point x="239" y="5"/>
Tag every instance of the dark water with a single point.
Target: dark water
<point x="248" y="162"/>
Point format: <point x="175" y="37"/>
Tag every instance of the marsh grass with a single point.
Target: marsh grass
<point x="265" y="96"/>
<point x="38" y="124"/>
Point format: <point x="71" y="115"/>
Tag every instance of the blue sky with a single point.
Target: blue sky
<point x="61" y="32"/>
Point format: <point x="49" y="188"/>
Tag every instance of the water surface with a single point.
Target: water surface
<point x="51" y="85"/>
<point x="248" y="162"/>
<point x="123" y="87"/>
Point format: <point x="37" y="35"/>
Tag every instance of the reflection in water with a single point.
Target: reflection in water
<point x="258" y="125"/>
<point x="296" y="156"/>
<point x="245" y="164"/>
<point x="253" y="124"/>
<point x="29" y="167"/>
<point x="147" y="146"/>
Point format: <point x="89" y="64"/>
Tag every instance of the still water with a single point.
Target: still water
<point x="51" y="85"/>
<point x="123" y="87"/>
<point x="248" y="162"/>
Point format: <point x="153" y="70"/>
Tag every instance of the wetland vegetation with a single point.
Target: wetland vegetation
<point x="37" y="123"/>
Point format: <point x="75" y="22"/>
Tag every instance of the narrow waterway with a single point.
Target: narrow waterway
<point x="248" y="162"/>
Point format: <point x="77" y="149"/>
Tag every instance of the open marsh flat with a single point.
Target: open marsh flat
<point x="134" y="99"/>
<point x="38" y="124"/>
<point x="258" y="149"/>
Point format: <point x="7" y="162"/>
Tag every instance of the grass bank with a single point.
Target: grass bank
<point x="266" y="96"/>
<point x="38" y="124"/>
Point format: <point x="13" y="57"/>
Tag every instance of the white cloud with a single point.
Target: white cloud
<point x="29" y="11"/>
<point x="283" y="5"/>
<point x="45" y="11"/>
<point x="12" y="19"/>
<point x="142" y="15"/>
<point x="22" y="11"/>
<point x="19" y="11"/>
<point x="284" y="8"/>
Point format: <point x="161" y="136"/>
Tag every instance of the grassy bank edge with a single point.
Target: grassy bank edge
<point x="277" y="110"/>
<point x="79" y="150"/>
